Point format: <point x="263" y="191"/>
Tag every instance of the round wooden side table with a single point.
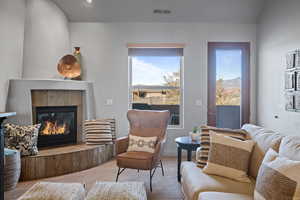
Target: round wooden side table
<point x="188" y="144"/>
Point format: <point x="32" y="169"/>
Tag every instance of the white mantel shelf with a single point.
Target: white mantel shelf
<point x="19" y="96"/>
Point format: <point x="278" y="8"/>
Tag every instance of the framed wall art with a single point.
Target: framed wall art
<point x="297" y="59"/>
<point x="290" y="82"/>
<point x="289" y="101"/>
<point x="290" y="60"/>
<point x="297" y="101"/>
<point x="297" y="80"/>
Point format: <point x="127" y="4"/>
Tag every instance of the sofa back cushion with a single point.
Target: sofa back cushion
<point x="264" y="140"/>
<point x="251" y="130"/>
<point x="290" y="147"/>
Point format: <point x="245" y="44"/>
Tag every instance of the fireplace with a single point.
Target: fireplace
<point x="58" y="125"/>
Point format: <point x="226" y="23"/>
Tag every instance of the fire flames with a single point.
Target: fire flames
<point x="52" y="128"/>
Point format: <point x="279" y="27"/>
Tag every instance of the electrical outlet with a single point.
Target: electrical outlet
<point x="198" y="102"/>
<point x="109" y="102"/>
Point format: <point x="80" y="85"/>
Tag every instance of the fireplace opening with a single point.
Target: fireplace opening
<point x="58" y="125"/>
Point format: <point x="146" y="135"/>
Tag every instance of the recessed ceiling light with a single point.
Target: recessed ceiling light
<point x="88" y="3"/>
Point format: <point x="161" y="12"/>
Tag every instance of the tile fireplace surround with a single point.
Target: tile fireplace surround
<point x="25" y="95"/>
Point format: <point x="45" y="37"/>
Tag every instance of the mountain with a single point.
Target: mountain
<point x="232" y="83"/>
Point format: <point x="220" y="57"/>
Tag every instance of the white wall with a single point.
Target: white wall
<point x="279" y="33"/>
<point x="12" y="14"/>
<point x="46" y="39"/>
<point x="105" y="59"/>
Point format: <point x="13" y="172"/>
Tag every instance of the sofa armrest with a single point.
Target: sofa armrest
<point x="122" y="144"/>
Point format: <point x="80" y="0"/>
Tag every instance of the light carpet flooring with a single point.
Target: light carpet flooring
<point x="164" y="187"/>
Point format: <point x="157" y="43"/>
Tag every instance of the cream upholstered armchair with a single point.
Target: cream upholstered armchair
<point x="144" y="124"/>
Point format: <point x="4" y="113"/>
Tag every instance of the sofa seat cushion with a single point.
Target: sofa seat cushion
<point x="224" y="196"/>
<point x="194" y="181"/>
<point x="135" y="160"/>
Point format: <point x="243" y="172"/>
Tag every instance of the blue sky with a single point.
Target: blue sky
<point x="150" y="70"/>
<point x="228" y="64"/>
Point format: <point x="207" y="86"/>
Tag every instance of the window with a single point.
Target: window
<point x="156" y="80"/>
<point x="228" y="77"/>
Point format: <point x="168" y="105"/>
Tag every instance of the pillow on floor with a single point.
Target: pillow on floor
<point x="22" y="138"/>
<point x="229" y="157"/>
<point x="278" y="178"/>
<point x="55" y="191"/>
<point x="203" y="150"/>
<point x="142" y="144"/>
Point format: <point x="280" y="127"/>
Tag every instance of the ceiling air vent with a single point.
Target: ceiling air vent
<point x="162" y="11"/>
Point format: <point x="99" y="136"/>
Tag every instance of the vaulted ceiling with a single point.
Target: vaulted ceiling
<point x="230" y="11"/>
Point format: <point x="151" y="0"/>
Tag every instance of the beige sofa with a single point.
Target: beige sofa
<point x="197" y="185"/>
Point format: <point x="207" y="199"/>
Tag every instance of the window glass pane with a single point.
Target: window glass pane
<point x="155" y="80"/>
<point x="156" y="70"/>
<point x="228" y="76"/>
<point x="156" y="99"/>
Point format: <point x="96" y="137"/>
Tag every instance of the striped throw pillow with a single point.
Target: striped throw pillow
<point x="97" y="132"/>
<point x="278" y="178"/>
<point x="229" y="157"/>
<point x="203" y="150"/>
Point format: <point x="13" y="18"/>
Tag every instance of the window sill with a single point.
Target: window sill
<point x="175" y="127"/>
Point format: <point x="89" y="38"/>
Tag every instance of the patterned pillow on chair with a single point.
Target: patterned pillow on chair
<point x="142" y="144"/>
<point x="22" y="138"/>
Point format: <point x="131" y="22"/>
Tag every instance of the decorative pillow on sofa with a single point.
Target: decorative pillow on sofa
<point x="144" y="144"/>
<point x="22" y="138"/>
<point x="278" y="178"/>
<point x="203" y="150"/>
<point x="229" y="157"/>
<point x="55" y="191"/>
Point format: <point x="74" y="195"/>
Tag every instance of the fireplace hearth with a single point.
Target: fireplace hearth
<point x="58" y="125"/>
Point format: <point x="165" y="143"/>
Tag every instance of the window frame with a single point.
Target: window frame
<point x="181" y="89"/>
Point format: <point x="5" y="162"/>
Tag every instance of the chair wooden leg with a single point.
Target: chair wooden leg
<point x="162" y="168"/>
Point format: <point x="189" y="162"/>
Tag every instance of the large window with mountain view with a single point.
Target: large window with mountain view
<point x="156" y="80"/>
